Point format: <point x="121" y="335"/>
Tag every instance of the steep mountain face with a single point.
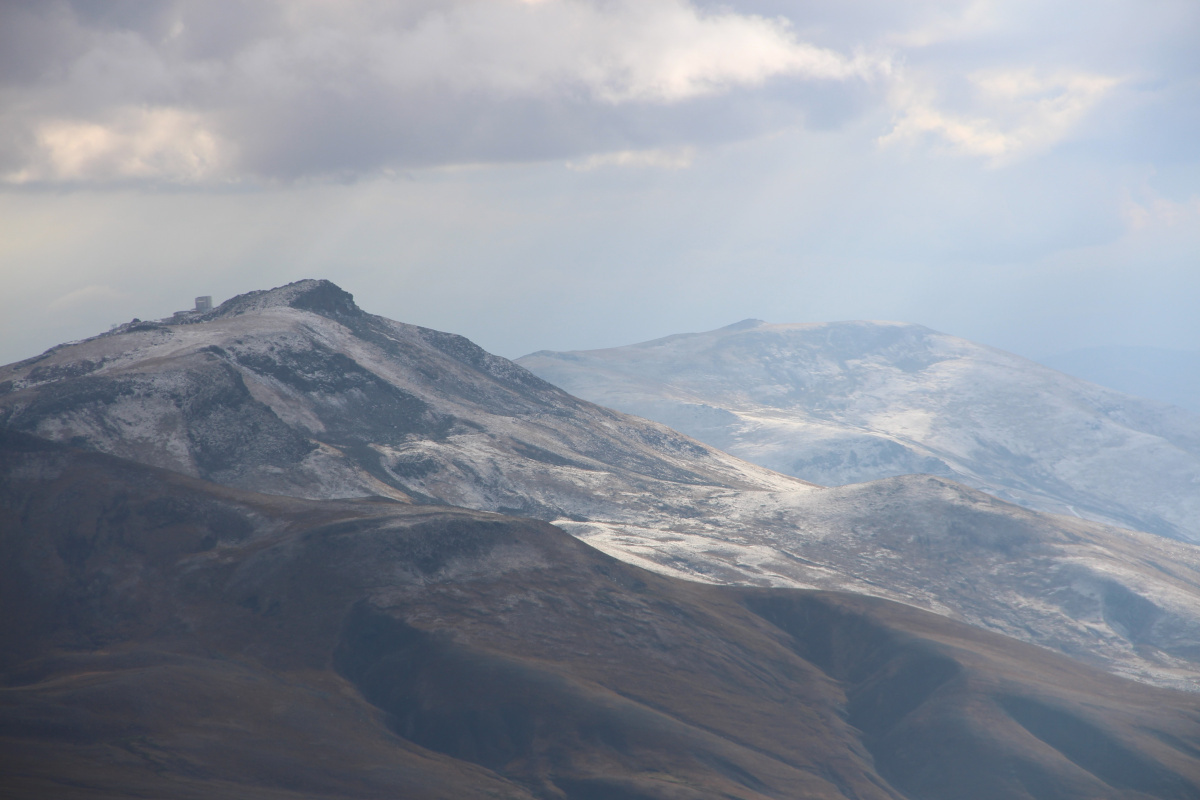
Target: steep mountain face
<point x="297" y="392"/>
<point x="165" y="636"/>
<point x="846" y="402"/>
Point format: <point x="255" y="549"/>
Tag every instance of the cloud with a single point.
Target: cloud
<point x="1148" y="210"/>
<point x="200" y="92"/>
<point x="656" y="51"/>
<point x="678" y="158"/>
<point x="1009" y="114"/>
<point x="219" y="92"/>
<point x="947" y="25"/>
<point x="160" y="144"/>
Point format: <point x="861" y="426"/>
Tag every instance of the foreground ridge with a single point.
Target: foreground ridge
<point x="172" y="637"/>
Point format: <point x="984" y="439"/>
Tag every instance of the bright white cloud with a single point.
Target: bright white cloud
<point x="1010" y="113"/>
<point x="157" y="144"/>
<point x="618" y="51"/>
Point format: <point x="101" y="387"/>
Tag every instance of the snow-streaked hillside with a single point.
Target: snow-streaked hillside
<point x="840" y="403"/>
<point x="298" y="392"/>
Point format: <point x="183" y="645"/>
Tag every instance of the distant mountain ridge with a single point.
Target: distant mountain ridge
<point x="845" y="402"/>
<point x="296" y="391"/>
<point x="1169" y="376"/>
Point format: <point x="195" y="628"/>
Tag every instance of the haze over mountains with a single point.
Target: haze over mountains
<point x="297" y="391"/>
<point x="1170" y="376"/>
<point x="840" y="403"/>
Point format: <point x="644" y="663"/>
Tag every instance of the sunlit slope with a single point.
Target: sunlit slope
<point x="845" y="402"/>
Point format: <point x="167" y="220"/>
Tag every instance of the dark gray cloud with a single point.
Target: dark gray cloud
<point x="576" y="173"/>
<point x="205" y="92"/>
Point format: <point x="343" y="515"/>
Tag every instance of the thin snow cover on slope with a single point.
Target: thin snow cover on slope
<point x="296" y="391"/>
<point x="1126" y="600"/>
<point x="845" y="402"/>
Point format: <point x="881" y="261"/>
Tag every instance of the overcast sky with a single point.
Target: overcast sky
<point x="564" y="174"/>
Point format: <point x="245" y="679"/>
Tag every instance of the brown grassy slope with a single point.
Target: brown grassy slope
<point x="167" y="637"/>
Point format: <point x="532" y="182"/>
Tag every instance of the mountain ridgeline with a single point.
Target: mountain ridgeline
<point x="847" y="402"/>
<point x="290" y="549"/>
<point x="297" y="391"/>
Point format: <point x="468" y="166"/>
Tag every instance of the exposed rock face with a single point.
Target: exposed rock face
<point x="846" y="402"/>
<point x="169" y="637"/>
<point x="297" y="392"/>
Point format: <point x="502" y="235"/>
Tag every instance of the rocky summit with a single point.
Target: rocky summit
<point x="297" y="391"/>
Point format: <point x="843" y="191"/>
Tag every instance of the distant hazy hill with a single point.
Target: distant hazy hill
<point x="839" y="403"/>
<point x="296" y="391"/>
<point x="1170" y="376"/>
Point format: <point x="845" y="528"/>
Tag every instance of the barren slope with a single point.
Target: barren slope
<point x="169" y="637"/>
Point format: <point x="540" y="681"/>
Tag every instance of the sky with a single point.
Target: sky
<point x="570" y="174"/>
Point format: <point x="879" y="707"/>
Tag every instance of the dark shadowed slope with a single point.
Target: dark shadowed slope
<point x="168" y="637"/>
<point x="297" y="391"/>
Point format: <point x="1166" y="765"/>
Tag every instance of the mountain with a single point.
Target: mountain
<point x="846" y="402"/>
<point x="296" y="391"/>
<point x="1169" y="376"/>
<point x="165" y="636"/>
